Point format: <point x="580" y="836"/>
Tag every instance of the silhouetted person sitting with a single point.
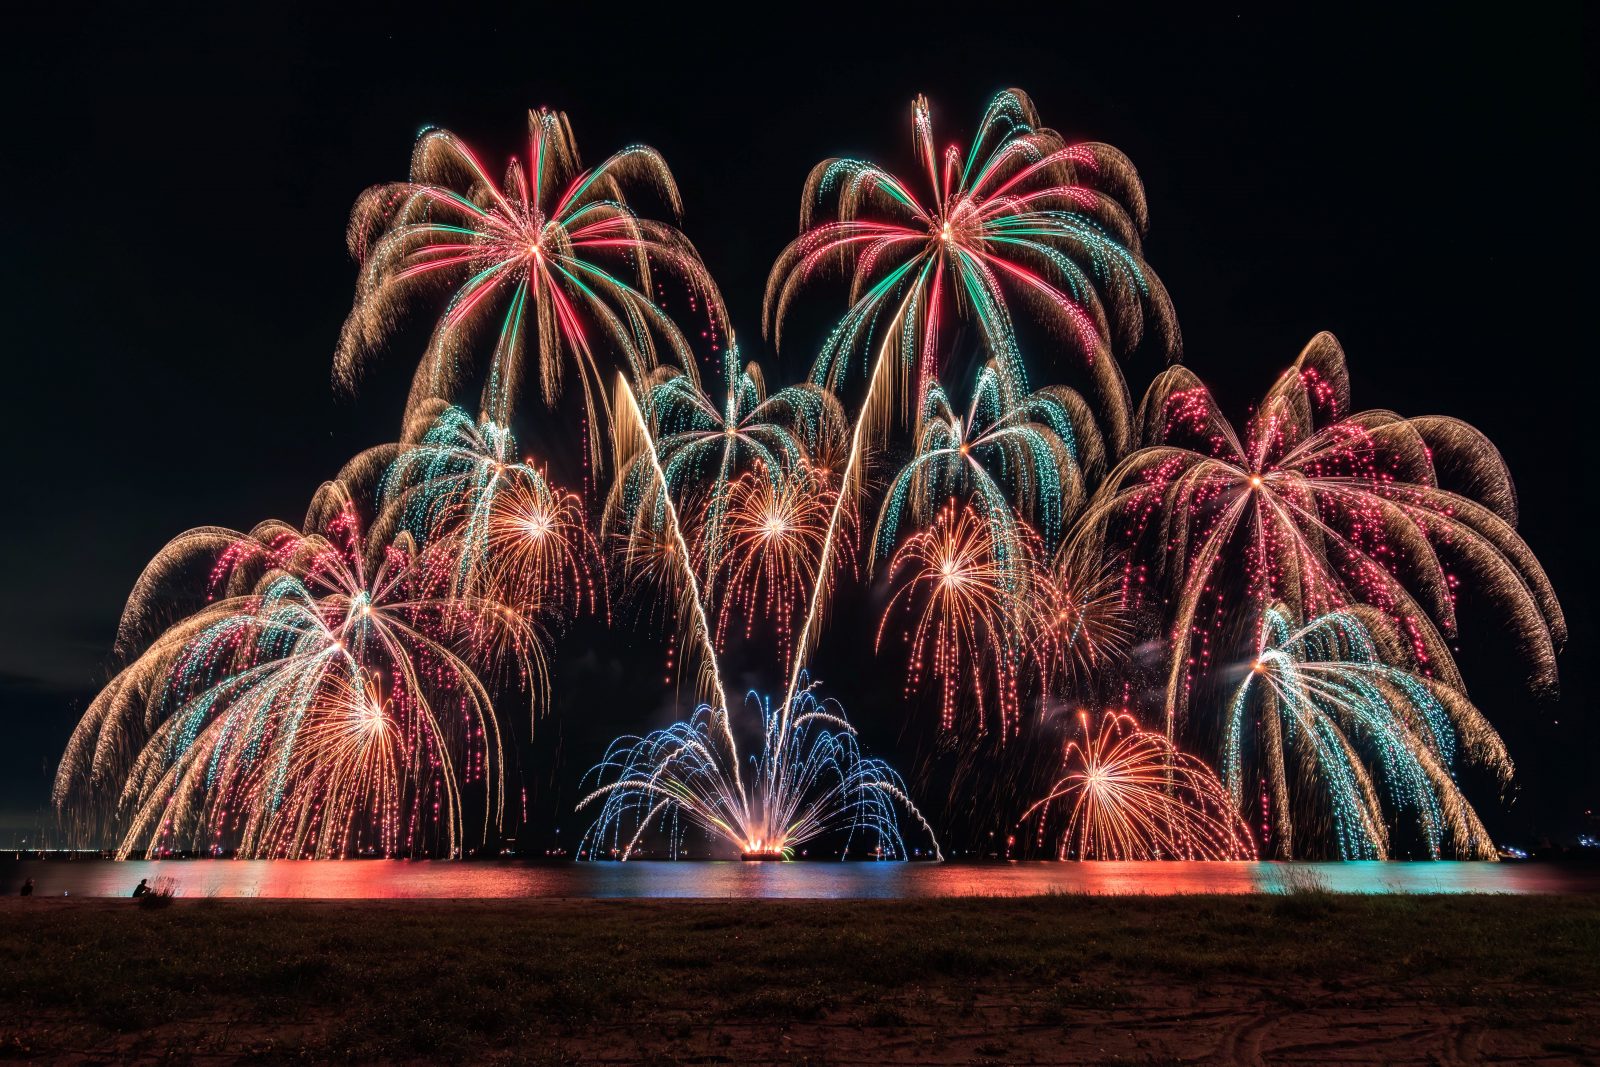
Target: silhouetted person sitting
<point x="27" y="888"/>
<point x="142" y="888"/>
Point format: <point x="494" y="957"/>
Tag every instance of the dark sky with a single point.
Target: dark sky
<point x="176" y="273"/>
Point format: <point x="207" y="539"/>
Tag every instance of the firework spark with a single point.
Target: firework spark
<point x="667" y="553"/>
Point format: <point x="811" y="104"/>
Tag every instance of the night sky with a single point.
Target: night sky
<point x="176" y="277"/>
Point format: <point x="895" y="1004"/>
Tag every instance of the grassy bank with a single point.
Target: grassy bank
<point x="1309" y="976"/>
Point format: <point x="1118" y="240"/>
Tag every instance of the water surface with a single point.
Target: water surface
<point x="395" y="879"/>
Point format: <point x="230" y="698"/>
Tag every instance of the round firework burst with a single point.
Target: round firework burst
<point x="1085" y="615"/>
<point x="973" y="600"/>
<point x="774" y="530"/>
<point x="1128" y="794"/>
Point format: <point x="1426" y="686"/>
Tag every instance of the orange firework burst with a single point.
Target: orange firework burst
<point x="325" y="701"/>
<point x="775" y="527"/>
<point x="539" y="548"/>
<point x="1085" y="612"/>
<point x="1130" y="795"/>
<point x="978" y="615"/>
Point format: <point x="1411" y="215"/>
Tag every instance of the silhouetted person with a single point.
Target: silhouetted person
<point x="27" y="888"/>
<point x="142" y="888"/>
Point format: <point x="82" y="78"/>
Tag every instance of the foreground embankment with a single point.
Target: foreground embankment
<point x="1307" y="977"/>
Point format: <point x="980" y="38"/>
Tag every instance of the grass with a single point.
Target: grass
<point x="564" y="981"/>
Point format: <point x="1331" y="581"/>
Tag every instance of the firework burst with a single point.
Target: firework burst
<point x="501" y="529"/>
<point x="1340" y="701"/>
<point x="554" y="253"/>
<point x="774" y="532"/>
<point x="1021" y="218"/>
<point x="1320" y="509"/>
<point x="1090" y="629"/>
<point x="972" y="598"/>
<point x="702" y="449"/>
<point x="1128" y="794"/>
<point x="322" y="703"/>
<point x="1030" y="457"/>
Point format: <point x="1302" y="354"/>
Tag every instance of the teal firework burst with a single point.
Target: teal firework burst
<point x="1339" y="723"/>
<point x="1028" y="458"/>
<point x="1021" y="219"/>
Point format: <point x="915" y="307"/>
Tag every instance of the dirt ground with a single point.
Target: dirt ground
<point x="1309" y="978"/>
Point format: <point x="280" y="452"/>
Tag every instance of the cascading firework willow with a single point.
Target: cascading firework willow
<point x="323" y="702"/>
<point x="1318" y="509"/>
<point x="1335" y="696"/>
<point x="555" y="251"/>
<point x="331" y="692"/>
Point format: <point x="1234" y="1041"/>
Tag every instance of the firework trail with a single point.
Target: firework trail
<point x="632" y="439"/>
<point x="1129" y="795"/>
<point x="554" y="251"/>
<point x="323" y="702"/>
<point x="1335" y="695"/>
<point x="1320" y="509"/>
<point x="809" y="780"/>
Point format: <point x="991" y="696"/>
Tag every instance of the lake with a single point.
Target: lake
<point x="394" y="879"/>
